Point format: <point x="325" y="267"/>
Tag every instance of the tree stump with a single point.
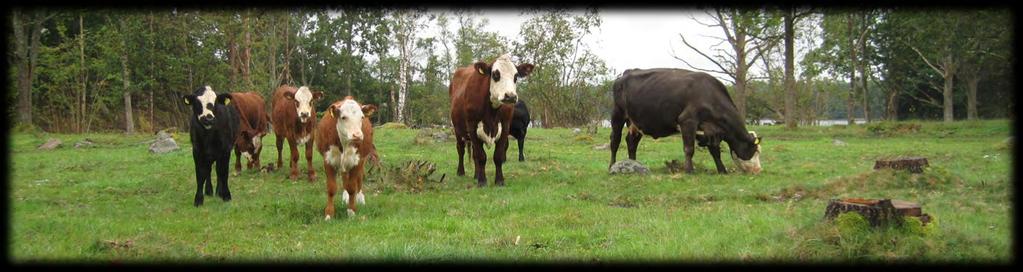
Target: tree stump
<point x="913" y="164"/>
<point x="877" y="211"/>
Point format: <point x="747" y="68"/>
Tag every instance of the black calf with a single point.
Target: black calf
<point x="519" y="124"/>
<point x="213" y="128"/>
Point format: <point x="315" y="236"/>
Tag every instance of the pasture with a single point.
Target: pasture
<point x="118" y="202"/>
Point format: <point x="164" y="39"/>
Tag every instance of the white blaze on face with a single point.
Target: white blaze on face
<point x="349" y="121"/>
<point x="505" y="85"/>
<point x="304" y="98"/>
<point x="753" y="164"/>
<point x="206" y="101"/>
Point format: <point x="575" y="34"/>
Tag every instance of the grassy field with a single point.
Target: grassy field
<point x="118" y="202"/>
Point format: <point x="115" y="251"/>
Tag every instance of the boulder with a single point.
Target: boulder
<point x="838" y="142"/>
<point x="629" y="167"/>
<point x="51" y="144"/>
<point x="601" y="147"/>
<point x="164" y="143"/>
<point x="576" y="130"/>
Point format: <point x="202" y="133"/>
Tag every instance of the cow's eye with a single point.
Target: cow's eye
<point x="344" y="117"/>
<point x="497" y="76"/>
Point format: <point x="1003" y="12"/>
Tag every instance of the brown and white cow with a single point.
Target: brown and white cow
<point x="253" y="126"/>
<point x="294" y="119"/>
<point x="344" y="137"/>
<point x="483" y="97"/>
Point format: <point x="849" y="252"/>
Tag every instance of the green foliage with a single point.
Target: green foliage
<point x="852" y="224"/>
<point x="887" y="128"/>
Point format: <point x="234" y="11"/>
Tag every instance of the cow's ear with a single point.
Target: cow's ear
<point x="289" y="95"/>
<point x="317" y="95"/>
<point x="524" y="70"/>
<point x="368" y="110"/>
<point x="330" y="111"/>
<point x="188" y="98"/>
<point x="223" y="99"/>
<point x="483" y="68"/>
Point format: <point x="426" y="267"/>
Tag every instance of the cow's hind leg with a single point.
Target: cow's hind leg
<point x="309" y="160"/>
<point x="238" y="162"/>
<point x="617" y="122"/>
<point x="351" y="189"/>
<point x="294" y="159"/>
<point x="479" y="157"/>
<point x="521" y="139"/>
<point x="688" y="124"/>
<point x="223" y="168"/>
<point x="208" y="180"/>
<point x="632" y="140"/>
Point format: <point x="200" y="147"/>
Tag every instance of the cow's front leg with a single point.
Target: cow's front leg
<point x="617" y="123"/>
<point x="207" y="178"/>
<point x="331" y="190"/>
<point x="460" y="145"/>
<point x="202" y="173"/>
<point x="715" y="151"/>
<point x="479" y="157"/>
<point x="521" y="140"/>
<point x="238" y="162"/>
<point x="309" y="160"/>
<point x="294" y="159"/>
<point x="500" y="151"/>
<point x="280" y="148"/>
<point x="351" y="190"/>
<point x="223" y="168"/>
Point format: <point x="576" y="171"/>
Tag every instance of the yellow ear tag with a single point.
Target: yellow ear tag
<point x="227" y="101"/>
<point x="187" y="102"/>
<point x="756" y="141"/>
<point x="480" y="70"/>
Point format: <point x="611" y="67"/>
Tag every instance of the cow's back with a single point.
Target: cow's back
<point x="251" y="110"/>
<point x="654" y="98"/>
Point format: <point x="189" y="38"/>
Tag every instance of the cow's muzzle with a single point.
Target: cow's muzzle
<point x="206" y="121"/>
<point x="303" y="117"/>
<point x="510" y="99"/>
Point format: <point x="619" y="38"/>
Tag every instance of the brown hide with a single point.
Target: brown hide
<point x="326" y="136"/>
<point x="470" y="104"/>
<point x="253" y="122"/>
<point x="286" y="126"/>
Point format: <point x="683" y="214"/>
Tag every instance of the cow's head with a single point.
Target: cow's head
<point x="503" y="75"/>
<point x="304" y="100"/>
<point x="747" y="156"/>
<point x="349" y="115"/>
<point x="250" y="141"/>
<point x="202" y="101"/>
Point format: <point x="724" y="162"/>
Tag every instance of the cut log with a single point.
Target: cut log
<point x="913" y="164"/>
<point x="877" y="211"/>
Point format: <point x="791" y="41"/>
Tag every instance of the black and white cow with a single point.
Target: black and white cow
<point x="213" y="127"/>
<point x="519" y="125"/>
<point x="663" y="102"/>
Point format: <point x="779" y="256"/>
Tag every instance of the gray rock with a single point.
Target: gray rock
<point x="838" y="142"/>
<point x="51" y="144"/>
<point x="440" y="136"/>
<point x="629" y="167"/>
<point x="163" y="144"/>
<point x="576" y="130"/>
<point x="85" y="143"/>
<point x="601" y="147"/>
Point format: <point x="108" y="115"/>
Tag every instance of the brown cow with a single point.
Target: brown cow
<point x="253" y="126"/>
<point x="294" y="118"/>
<point x="482" y="102"/>
<point x="344" y="137"/>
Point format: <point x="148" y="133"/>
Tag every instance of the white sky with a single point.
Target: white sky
<point x="634" y="38"/>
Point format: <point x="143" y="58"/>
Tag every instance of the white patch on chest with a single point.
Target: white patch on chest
<point x="342" y="160"/>
<point x="303" y="140"/>
<point x="257" y="142"/>
<point x="487" y="139"/>
<point x="247" y="156"/>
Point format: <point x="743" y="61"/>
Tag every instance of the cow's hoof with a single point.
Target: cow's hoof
<point x="499" y="183"/>
<point x="235" y="174"/>
<point x="360" y="198"/>
<point x="481" y="184"/>
<point x="293" y="177"/>
<point x="327" y="218"/>
<point x="312" y="178"/>
<point x="344" y="197"/>
<point x="226" y="197"/>
<point x="351" y="212"/>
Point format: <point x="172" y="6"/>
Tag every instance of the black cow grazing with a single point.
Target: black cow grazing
<point x="519" y="124"/>
<point x="662" y="102"/>
<point x="213" y="127"/>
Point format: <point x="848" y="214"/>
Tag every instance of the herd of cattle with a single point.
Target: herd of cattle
<point x="485" y="109"/>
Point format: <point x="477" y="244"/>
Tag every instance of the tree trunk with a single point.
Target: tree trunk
<point x="24" y="65"/>
<point x="893" y="104"/>
<point x="947" y="93"/>
<point x="971" y="97"/>
<point x="84" y="75"/>
<point x="740" y="89"/>
<point x="790" y="88"/>
<point x="863" y="80"/>
<point x="850" y="101"/>
<point x="129" y="122"/>
<point x="878" y="212"/>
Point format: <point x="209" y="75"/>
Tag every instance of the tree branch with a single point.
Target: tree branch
<point x="928" y="62"/>
<point x="723" y="69"/>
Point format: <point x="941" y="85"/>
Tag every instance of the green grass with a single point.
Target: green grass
<point x="118" y="202"/>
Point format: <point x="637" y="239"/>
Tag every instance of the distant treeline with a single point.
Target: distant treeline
<point x="86" y="70"/>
